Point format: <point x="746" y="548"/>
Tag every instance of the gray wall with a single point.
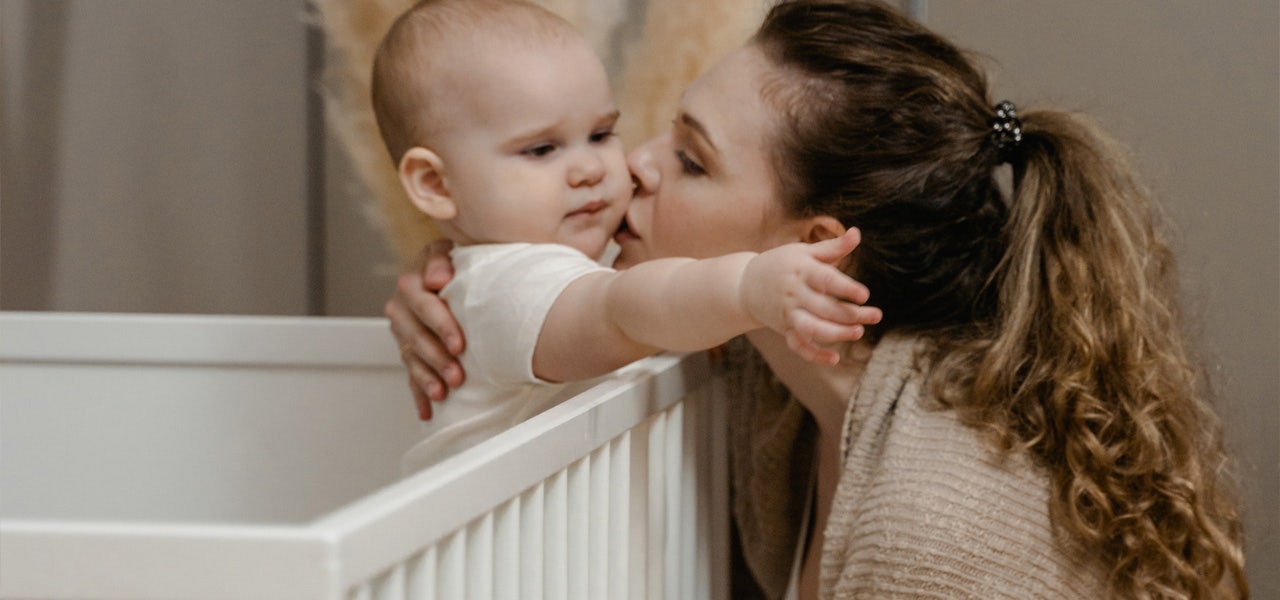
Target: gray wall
<point x="1194" y="88"/>
<point x="154" y="158"/>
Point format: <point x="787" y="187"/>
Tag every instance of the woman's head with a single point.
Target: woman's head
<point x="836" y="114"/>
<point x="707" y="187"/>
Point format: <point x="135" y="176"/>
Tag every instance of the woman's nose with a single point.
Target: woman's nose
<point x="644" y="169"/>
<point x="587" y="169"/>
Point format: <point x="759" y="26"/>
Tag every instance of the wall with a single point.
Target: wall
<point x="1194" y="88"/>
<point x="154" y="156"/>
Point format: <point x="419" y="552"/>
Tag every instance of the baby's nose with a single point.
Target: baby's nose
<point x="588" y="169"/>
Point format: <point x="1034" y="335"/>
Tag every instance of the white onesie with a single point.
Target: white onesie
<point x="500" y="294"/>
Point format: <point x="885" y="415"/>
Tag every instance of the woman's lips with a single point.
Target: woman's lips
<point x="624" y="232"/>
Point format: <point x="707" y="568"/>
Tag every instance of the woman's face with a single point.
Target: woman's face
<point x="707" y="187"/>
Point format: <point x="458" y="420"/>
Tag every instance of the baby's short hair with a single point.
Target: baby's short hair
<point x="411" y="52"/>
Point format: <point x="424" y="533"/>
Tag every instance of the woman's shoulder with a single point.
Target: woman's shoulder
<point x="924" y="500"/>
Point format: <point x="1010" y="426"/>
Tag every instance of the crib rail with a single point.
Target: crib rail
<point x="619" y="492"/>
<point x="626" y="500"/>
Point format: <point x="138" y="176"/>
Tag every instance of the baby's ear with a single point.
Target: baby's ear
<point x="422" y="175"/>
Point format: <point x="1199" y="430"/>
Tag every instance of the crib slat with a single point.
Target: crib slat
<point x="598" y="525"/>
<point x="421" y="578"/>
<point x="479" y="567"/>
<point x="452" y="580"/>
<point x="532" y="542"/>
<point x="556" y="558"/>
<point x="619" y="514"/>
<point x="690" y="458"/>
<point x="390" y="586"/>
<point x="656" y="484"/>
<point x="506" y="550"/>
<point x="577" y="519"/>
<point x="638" y="519"/>
<point x="673" y="460"/>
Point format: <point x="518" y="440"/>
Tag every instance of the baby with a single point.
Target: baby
<point x="500" y="120"/>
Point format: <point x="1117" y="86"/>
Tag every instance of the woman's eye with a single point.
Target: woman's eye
<point x="688" y="165"/>
<point x="539" y="150"/>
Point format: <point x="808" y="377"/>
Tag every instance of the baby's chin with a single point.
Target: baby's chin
<point x="593" y="244"/>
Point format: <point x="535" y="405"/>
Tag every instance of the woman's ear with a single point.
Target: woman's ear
<point x="822" y="227"/>
<point x="423" y="177"/>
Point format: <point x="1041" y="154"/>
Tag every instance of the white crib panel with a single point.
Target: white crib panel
<point x="602" y="497"/>
<point x="194" y="562"/>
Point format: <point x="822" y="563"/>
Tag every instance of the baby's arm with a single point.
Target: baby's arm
<point x="603" y="321"/>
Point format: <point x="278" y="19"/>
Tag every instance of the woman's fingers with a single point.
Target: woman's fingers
<point x="436" y="267"/>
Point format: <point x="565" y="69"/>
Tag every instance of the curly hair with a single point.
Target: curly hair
<point x="1050" y="291"/>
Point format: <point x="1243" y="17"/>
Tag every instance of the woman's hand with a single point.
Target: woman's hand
<point x="798" y="291"/>
<point x="430" y="339"/>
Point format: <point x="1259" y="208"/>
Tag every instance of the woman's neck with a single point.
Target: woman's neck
<point x="824" y="390"/>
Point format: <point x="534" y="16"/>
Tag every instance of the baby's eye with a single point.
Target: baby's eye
<point x="538" y="150"/>
<point x="601" y="136"/>
<point x="688" y="165"/>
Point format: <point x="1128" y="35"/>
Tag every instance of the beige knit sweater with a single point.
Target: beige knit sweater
<point x="923" y="508"/>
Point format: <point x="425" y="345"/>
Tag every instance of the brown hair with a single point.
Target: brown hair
<point x="415" y="54"/>
<point x="1053" y="304"/>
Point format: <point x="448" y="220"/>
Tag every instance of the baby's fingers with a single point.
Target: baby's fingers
<point x="834" y="249"/>
<point x="822" y="331"/>
<point x="811" y="351"/>
<point x="839" y="311"/>
<point x="831" y="281"/>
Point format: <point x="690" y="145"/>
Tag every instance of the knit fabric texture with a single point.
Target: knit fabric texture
<point x="924" y="508"/>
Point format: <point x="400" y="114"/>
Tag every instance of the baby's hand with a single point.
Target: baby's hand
<point x="798" y="291"/>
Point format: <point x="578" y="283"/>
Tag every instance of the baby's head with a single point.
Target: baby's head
<point x="500" y="120"/>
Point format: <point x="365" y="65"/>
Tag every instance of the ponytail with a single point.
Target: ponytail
<point x="1087" y="368"/>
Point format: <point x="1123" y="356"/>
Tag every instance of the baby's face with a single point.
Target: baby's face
<point x="530" y="154"/>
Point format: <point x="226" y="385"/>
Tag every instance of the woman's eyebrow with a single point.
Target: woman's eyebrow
<point x="689" y="121"/>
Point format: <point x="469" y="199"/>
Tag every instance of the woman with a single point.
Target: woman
<point x="1028" y="421"/>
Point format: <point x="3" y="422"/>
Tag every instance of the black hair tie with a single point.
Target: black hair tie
<point x="1006" y="130"/>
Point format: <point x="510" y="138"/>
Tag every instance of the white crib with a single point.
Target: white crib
<point x="186" y="457"/>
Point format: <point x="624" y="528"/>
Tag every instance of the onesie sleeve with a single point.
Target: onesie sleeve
<point x="506" y="304"/>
